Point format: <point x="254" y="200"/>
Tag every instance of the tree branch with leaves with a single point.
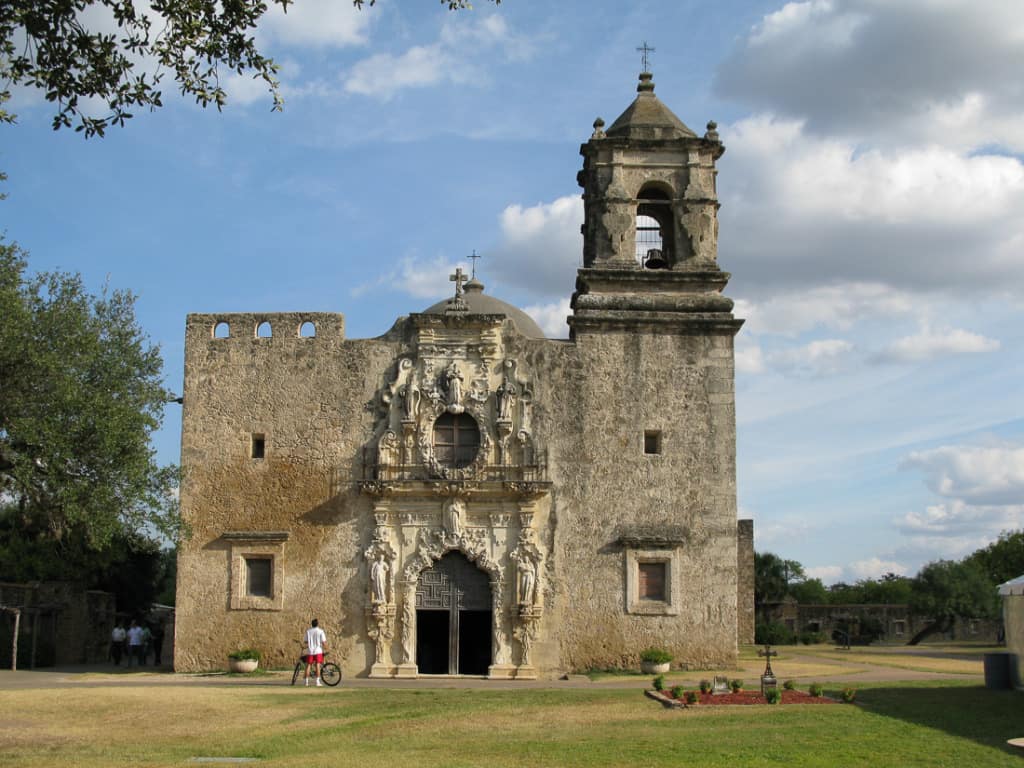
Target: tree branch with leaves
<point x="117" y="53"/>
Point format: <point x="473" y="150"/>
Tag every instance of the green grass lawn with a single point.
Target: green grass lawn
<point x="160" y="725"/>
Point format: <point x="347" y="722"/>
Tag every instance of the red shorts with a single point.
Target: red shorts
<point x="314" y="658"/>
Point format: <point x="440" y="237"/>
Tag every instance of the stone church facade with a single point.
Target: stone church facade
<point x="465" y="496"/>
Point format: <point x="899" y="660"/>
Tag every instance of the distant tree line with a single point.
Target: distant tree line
<point x="942" y="591"/>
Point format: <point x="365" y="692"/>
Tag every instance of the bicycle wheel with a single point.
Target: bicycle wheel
<point x="299" y="669"/>
<point x="330" y="673"/>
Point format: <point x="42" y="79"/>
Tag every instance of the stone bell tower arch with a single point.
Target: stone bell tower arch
<point x="649" y="166"/>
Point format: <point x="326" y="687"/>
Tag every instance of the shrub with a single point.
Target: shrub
<point x="848" y="695"/>
<point x="736" y="685"/>
<point x="812" y="638"/>
<point x="659" y="683"/>
<point x="705" y="686"/>
<point x="773" y="695"/>
<point x="816" y="690"/>
<point x="677" y="691"/>
<point x="789" y="685"/>
<point x="245" y="654"/>
<point x="773" y="633"/>
<point x="656" y="656"/>
<point x="692" y="697"/>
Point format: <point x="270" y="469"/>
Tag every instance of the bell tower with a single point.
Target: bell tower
<point x="650" y="228"/>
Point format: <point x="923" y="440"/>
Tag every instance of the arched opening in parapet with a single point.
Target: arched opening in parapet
<point x="307" y="330"/>
<point x="264" y="331"/>
<point x="453" y="618"/>
<point x="654" y="232"/>
<point x="221" y="331"/>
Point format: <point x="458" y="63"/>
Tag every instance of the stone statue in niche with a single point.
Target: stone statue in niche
<point x="527" y="571"/>
<point x="408" y="643"/>
<point x="411" y="400"/>
<point x="506" y="396"/>
<point x="452" y="380"/>
<point x="379" y="580"/>
<point x="387" y="449"/>
<point x="454" y="512"/>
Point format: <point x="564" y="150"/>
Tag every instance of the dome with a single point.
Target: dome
<point x="480" y="304"/>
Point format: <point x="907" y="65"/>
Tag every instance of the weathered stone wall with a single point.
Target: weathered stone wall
<point x="745" y="574"/>
<point x="307" y="397"/>
<point x="626" y="383"/>
<point x="71" y="625"/>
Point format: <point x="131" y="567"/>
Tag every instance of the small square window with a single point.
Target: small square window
<point x="899" y="628"/>
<point x="652" y="442"/>
<point x="652" y="581"/>
<point x="259" y="446"/>
<point x="258" y="576"/>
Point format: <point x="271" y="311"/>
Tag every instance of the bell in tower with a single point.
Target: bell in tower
<point x="650" y="226"/>
<point x="649" y="190"/>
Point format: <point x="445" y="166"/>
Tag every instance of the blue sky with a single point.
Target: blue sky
<point x="872" y="216"/>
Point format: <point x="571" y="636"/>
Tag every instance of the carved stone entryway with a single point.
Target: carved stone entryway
<point x="453" y="618"/>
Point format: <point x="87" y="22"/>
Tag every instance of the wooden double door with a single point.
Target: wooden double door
<point x="453" y="618"/>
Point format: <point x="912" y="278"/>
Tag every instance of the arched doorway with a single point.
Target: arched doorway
<point x="453" y="618"/>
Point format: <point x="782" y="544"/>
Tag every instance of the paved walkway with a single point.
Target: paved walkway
<point x="103" y="675"/>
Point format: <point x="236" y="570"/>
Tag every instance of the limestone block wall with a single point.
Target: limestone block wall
<point x="306" y="398"/>
<point x="679" y="386"/>
<point x="745" y="573"/>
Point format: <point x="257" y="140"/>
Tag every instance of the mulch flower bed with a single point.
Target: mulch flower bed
<point x="743" y="697"/>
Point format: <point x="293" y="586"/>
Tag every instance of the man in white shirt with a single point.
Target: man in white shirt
<point x="135" y="647"/>
<point x="117" y="638"/>
<point x="316" y="645"/>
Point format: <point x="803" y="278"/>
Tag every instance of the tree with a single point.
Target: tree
<point x="809" y="592"/>
<point x="80" y="395"/>
<point x="1003" y="559"/>
<point x="773" y="575"/>
<point x="117" y="51"/>
<point x="945" y="590"/>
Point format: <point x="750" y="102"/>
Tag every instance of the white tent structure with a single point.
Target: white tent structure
<point x="1012" y="593"/>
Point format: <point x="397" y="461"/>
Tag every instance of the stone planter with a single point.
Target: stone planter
<point x="242" y="665"/>
<point x="651" y="668"/>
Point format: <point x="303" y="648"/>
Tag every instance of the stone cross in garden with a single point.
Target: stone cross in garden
<point x="768" y="653"/>
<point x="768" y="678"/>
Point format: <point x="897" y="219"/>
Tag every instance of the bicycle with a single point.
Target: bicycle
<point x="330" y="672"/>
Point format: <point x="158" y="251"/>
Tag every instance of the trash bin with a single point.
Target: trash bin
<point x="997" y="671"/>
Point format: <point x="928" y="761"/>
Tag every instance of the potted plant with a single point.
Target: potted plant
<point x="245" y="660"/>
<point x="655" y="661"/>
<point x="736" y="685"/>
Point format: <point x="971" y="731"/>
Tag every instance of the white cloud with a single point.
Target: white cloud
<point x="417" y="277"/>
<point x="316" y="23"/>
<point x="383" y="75"/>
<point x="818" y="358"/>
<point x="984" y="488"/>
<point x="541" y="246"/>
<point x="749" y="357"/>
<point x="802" y="211"/>
<point x="874" y="567"/>
<point x="453" y="58"/>
<point x="930" y="344"/>
<point x="828" y="306"/>
<point x="551" y="318"/>
<point x="973" y="475"/>
<point x="912" y="71"/>
<point x="829" y="574"/>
